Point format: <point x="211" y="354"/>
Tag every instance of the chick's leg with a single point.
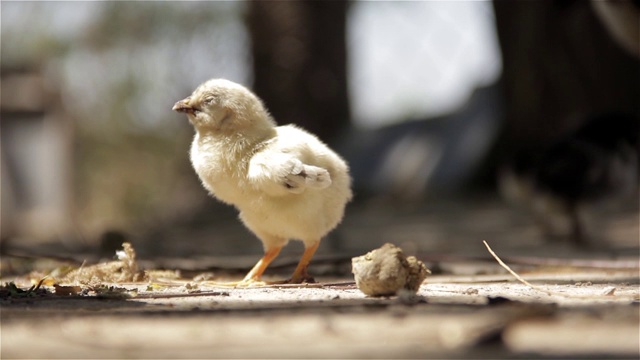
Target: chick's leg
<point x="301" y="275"/>
<point x="262" y="264"/>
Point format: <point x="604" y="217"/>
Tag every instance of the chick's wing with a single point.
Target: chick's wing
<point x="278" y="173"/>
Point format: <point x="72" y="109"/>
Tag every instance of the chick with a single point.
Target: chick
<point x="285" y="182"/>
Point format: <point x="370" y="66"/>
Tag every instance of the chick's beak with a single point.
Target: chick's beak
<point x="183" y="106"/>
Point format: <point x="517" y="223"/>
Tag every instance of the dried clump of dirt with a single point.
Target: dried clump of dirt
<point x="385" y="271"/>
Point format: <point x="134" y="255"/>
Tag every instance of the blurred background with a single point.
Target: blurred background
<point x="428" y="101"/>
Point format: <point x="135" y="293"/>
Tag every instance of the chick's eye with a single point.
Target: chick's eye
<point x="209" y="100"/>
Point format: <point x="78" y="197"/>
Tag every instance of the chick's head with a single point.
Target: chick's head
<point x="223" y="106"/>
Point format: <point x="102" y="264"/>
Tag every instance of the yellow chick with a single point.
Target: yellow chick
<point x="285" y="182"/>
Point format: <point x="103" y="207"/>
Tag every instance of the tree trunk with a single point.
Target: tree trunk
<point x="299" y="63"/>
<point x="559" y="65"/>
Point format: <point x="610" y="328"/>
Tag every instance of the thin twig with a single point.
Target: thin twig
<point x="191" y="294"/>
<point x="513" y="272"/>
<point x="552" y="293"/>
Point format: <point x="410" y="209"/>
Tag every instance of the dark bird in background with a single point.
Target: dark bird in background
<point x="596" y="163"/>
